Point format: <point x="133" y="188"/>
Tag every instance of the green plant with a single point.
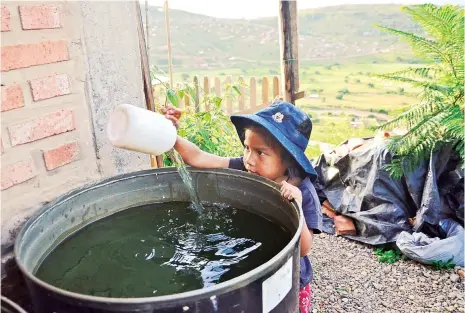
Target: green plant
<point x="383" y="111"/>
<point x="211" y="131"/>
<point x="371" y="85"/>
<point x="438" y="118"/>
<point x="313" y="151"/>
<point x="339" y="96"/>
<point x="344" y="91"/>
<point x="388" y="255"/>
<point x="441" y="265"/>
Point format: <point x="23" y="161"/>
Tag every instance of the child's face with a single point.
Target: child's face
<point x="260" y="158"/>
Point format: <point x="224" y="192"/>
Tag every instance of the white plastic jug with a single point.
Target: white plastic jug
<point x="133" y="128"/>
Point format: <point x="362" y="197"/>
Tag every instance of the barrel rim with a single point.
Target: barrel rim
<point x="192" y="295"/>
<point x="12" y="304"/>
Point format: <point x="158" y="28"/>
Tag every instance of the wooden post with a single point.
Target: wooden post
<point x="289" y="49"/>
<point x="253" y="93"/>
<point x="150" y="103"/>
<point x="187" y="101"/>
<point x="168" y="36"/>
<point x="197" y="99"/>
<point x="265" y="91"/>
<point x="229" y="106"/>
<point x="147" y="27"/>
<point x="275" y="87"/>
<point x="206" y="91"/>
<point x="217" y="86"/>
<point x="242" y="95"/>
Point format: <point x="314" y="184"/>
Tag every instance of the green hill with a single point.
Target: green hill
<point x="325" y="34"/>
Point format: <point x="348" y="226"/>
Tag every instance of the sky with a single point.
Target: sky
<point x="250" y="9"/>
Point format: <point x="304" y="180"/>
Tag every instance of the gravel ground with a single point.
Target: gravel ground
<point x="349" y="278"/>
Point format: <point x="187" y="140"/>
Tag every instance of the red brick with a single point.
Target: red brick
<point x="17" y="173"/>
<point x="49" y="87"/>
<point x="5" y="19"/>
<point x="46" y="126"/>
<point x="328" y="209"/>
<point x="62" y="155"/>
<point x="21" y="56"/>
<point x="12" y="97"/>
<point x="39" y="16"/>
<point x="344" y="225"/>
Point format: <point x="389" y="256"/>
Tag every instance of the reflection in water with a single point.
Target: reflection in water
<point x="162" y="249"/>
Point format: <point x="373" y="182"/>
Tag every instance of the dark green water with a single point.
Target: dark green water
<point x="162" y="249"/>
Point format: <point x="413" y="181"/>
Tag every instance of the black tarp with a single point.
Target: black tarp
<point x="358" y="186"/>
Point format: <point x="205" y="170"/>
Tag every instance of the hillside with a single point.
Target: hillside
<point x="331" y="33"/>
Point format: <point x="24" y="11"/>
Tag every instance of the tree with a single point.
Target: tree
<point x="438" y="118"/>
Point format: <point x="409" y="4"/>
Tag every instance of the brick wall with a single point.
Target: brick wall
<point x="46" y="139"/>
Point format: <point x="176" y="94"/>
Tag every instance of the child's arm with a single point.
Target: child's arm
<point x="194" y="156"/>
<point x="306" y="236"/>
<point x="190" y="153"/>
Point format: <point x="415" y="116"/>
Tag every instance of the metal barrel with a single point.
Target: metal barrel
<point x="271" y="287"/>
<point x="8" y="306"/>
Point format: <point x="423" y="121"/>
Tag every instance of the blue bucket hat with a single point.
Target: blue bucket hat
<point x="290" y="126"/>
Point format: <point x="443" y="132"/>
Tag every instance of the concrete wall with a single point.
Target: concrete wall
<point x="65" y="65"/>
<point x="114" y="75"/>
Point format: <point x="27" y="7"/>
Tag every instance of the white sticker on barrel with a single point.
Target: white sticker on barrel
<point x="276" y="287"/>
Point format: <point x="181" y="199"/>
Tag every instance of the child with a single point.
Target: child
<point x="274" y="141"/>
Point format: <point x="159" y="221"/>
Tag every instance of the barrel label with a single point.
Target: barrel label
<point x="277" y="286"/>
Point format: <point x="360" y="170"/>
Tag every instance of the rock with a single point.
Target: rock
<point x="368" y="286"/>
<point x="454" y="278"/>
<point x="386" y="304"/>
<point x="450" y="308"/>
<point x="461" y="273"/>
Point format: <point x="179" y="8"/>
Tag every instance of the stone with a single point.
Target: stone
<point x="461" y="273"/>
<point x="454" y="278"/>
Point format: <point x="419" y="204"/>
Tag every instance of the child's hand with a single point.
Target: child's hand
<point x="173" y="114"/>
<point x="290" y="192"/>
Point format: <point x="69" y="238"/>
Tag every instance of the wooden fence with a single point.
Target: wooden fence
<point x="266" y="87"/>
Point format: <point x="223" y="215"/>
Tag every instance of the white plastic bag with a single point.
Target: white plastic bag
<point x="421" y="248"/>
